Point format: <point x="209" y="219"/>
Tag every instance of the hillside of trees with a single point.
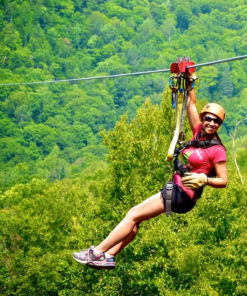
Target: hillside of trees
<point x="200" y="253"/>
<point x="75" y="156"/>
<point x="51" y="131"/>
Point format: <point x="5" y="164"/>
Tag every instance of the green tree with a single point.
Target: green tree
<point x="43" y="136"/>
<point x="168" y="26"/>
<point x="144" y="139"/>
<point x="183" y="18"/>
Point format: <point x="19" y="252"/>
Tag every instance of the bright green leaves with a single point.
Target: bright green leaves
<point x="137" y="151"/>
<point x="53" y="132"/>
<point x="42" y="223"/>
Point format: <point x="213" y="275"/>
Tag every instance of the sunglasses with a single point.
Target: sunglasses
<point x="209" y="119"/>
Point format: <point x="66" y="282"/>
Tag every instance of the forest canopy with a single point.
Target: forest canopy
<point x="75" y="156"/>
<point x="51" y="40"/>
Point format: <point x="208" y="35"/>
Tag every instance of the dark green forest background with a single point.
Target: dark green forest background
<point x="75" y="156"/>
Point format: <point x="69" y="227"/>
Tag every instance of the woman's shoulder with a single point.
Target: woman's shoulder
<point x="217" y="153"/>
<point x="217" y="148"/>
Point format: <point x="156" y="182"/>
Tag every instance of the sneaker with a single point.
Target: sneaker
<point x="89" y="258"/>
<point x="82" y="256"/>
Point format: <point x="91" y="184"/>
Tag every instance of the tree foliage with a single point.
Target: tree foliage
<point x="62" y="189"/>
<point x="200" y="253"/>
<point x="47" y="40"/>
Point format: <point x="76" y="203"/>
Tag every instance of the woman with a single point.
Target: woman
<point x="201" y="161"/>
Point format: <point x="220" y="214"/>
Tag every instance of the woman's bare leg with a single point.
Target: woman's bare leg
<point x="151" y="207"/>
<point x="118" y="247"/>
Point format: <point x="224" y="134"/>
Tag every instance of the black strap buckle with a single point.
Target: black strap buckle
<point x="169" y="185"/>
<point x="169" y="193"/>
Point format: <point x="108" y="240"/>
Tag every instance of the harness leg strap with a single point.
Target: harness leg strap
<point x="168" y="199"/>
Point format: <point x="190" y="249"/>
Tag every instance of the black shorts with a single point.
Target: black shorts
<point x="181" y="202"/>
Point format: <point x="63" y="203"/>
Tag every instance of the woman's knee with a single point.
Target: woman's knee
<point x="135" y="229"/>
<point x="133" y="215"/>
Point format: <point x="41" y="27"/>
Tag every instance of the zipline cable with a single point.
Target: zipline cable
<point x="218" y="61"/>
<point x="122" y="74"/>
<point x="88" y="78"/>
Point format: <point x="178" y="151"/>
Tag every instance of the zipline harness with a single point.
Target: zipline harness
<point x="178" y="84"/>
<point x="182" y="80"/>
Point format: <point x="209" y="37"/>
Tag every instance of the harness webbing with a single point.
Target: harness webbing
<point x="180" y="167"/>
<point x="179" y="83"/>
<point x="202" y="143"/>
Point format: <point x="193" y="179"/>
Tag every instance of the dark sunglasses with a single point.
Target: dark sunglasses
<point x="209" y="119"/>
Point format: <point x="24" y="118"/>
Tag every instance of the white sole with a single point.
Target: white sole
<point x="80" y="261"/>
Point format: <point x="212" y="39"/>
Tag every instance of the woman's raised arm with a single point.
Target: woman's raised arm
<point x="191" y="110"/>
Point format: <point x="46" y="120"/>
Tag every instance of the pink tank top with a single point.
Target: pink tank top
<point x="200" y="160"/>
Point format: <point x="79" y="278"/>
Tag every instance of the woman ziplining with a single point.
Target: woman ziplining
<point x="202" y="159"/>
